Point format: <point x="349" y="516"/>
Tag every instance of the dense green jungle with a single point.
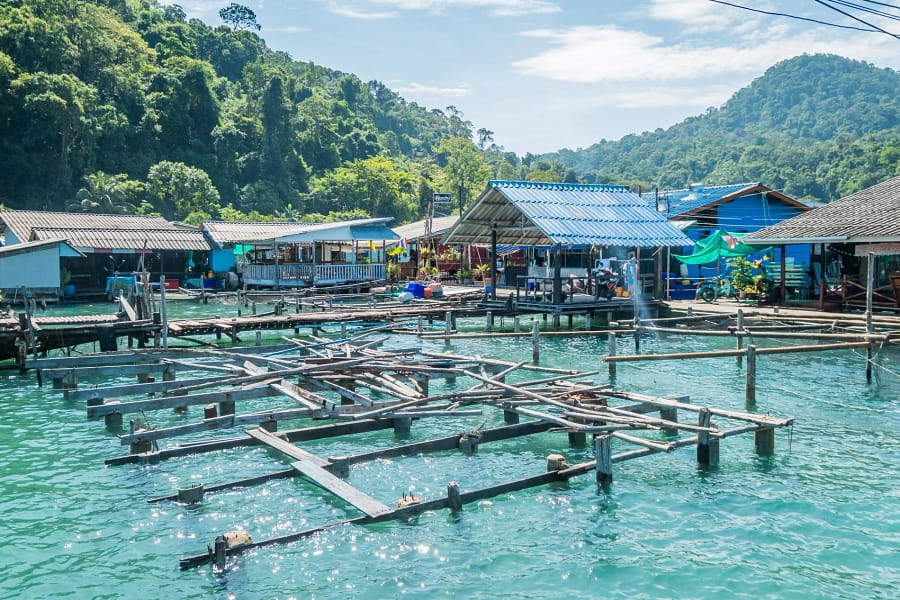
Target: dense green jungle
<point x="127" y="106"/>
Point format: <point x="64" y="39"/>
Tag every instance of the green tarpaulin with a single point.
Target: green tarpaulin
<point x="719" y="244"/>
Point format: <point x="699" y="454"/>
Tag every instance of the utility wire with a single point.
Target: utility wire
<point x="871" y="11"/>
<point x="846" y="14"/>
<point x="780" y="14"/>
<point x="871" y="27"/>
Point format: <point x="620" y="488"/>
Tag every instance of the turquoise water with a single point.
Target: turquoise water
<point x="819" y="519"/>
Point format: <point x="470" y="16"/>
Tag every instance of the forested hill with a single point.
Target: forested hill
<point x="125" y="105"/>
<point x="817" y="127"/>
<point x="128" y="106"/>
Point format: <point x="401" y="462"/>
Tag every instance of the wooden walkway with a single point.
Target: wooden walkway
<point x="354" y="387"/>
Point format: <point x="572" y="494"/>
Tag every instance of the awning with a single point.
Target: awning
<point x="719" y="244"/>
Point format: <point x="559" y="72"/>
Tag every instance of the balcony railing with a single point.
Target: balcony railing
<point x="296" y="275"/>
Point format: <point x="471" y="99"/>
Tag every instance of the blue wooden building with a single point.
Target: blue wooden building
<point x="739" y="209"/>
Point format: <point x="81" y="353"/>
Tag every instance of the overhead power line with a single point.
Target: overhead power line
<point x="871" y="28"/>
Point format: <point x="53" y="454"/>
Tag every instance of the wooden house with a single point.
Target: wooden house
<point x="855" y="238"/>
<point x="34" y="269"/>
<point x="276" y="255"/>
<point x="566" y="228"/>
<point x="740" y="208"/>
<point x="114" y="246"/>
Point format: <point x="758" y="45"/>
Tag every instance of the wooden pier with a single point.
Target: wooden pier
<point x="279" y="397"/>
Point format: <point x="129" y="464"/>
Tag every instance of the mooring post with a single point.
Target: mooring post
<point x="209" y="411"/>
<point x="191" y="494"/>
<point x="253" y="308"/>
<point x="113" y="421"/>
<point x="603" y="456"/>
<point x="226" y="406"/>
<point x="637" y="334"/>
<point x="707" y="445"/>
<point x="420" y="324"/>
<point x="535" y="341"/>
<point x="219" y="553"/>
<point x="611" y="351"/>
<point x="668" y="413"/>
<point x="468" y="442"/>
<point x="297" y="307"/>
<point x="517" y="326"/>
<point x="258" y="337"/>
<point x="751" y="375"/>
<point x="454" y="501"/>
<point x="271" y="426"/>
<point x="765" y="441"/>
<point x="869" y="355"/>
<point x="510" y="417"/>
<point x="402" y="425"/>
<point x="488" y="321"/>
<point x="343" y="329"/>
<point x="740" y="339"/>
<point x="587" y="321"/>
<point x="448" y="324"/>
<point x="577" y="438"/>
<point x="555" y="323"/>
<point x="340" y="466"/>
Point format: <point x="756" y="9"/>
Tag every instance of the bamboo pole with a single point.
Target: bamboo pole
<point x="724" y="353"/>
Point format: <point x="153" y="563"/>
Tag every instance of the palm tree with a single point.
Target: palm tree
<point x="102" y="194"/>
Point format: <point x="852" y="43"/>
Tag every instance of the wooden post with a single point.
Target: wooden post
<point x="707" y="445"/>
<point x="270" y="426"/>
<point x="448" y="323"/>
<point x="517" y="326"/>
<point x="671" y="413"/>
<point x="577" y="438"/>
<point x="343" y="329"/>
<point x="420" y="325"/>
<point x="258" y="337"/>
<point x="556" y="321"/>
<point x="253" y="308"/>
<point x="587" y="321"/>
<point x="454" y="501"/>
<point x="402" y="425"/>
<point x="488" y="321"/>
<point x="219" y="553"/>
<point x="226" y="406"/>
<point x="603" y="455"/>
<point x="740" y="339"/>
<point x="637" y="333"/>
<point x="510" y="417"/>
<point x="870" y="289"/>
<point x="113" y="421"/>
<point x="611" y="351"/>
<point x="535" y="341"/>
<point x="869" y="359"/>
<point x="751" y="375"/>
<point x="765" y="441"/>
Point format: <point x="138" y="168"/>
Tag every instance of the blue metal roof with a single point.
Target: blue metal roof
<point x="697" y="196"/>
<point x="538" y="213"/>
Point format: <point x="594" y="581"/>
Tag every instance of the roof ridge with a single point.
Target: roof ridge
<point x="596" y="187"/>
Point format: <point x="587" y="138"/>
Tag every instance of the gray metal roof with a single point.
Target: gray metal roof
<point x="528" y="213"/>
<point x="698" y="197"/>
<point x="416" y="230"/>
<point x="21" y="222"/>
<point x="228" y="232"/>
<point x="66" y="249"/>
<point x="870" y="215"/>
<point x="118" y="239"/>
<point x="222" y="233"/>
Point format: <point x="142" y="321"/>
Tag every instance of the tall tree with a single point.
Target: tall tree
<point x="239" y="17"/>
<point x="464" y="171"/>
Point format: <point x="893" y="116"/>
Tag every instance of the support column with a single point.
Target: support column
<point x="751" y="375"/>
<point x="707" y="445"/>
<point x="603" y="455"/>
<point x="765" y="441"/>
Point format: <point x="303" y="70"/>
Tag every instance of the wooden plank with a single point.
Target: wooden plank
<point x="178" y="401"/>
<point x="286" y="447"/>
<point x="341" y="488"/>
<point x="129" y="310"/>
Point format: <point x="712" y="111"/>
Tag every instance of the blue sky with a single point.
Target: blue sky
<point x="550" y="74"/>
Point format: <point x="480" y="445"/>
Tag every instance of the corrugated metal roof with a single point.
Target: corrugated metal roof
<point x="870" y="215"/>
<point x="228" y="232"/>
<point x="248" y="233"/>
<point x="528" y="213"/>
<point x="25" y="247"/>
<point x="117" y="239"/>
<point x="697" y="198"/>
<point x="416" y="230"/>
<point x="21" y="222"/>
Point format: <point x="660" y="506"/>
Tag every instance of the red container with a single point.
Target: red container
<point x="172" y="284"/>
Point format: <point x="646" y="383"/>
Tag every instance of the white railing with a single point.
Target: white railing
<point x="292" y="275"/>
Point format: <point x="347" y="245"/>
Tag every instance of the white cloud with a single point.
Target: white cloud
<point x="288" y="29"/>
<point x="420" y="90"/>
<point x="694" y="14"/>
<point x="391" y="8"/>
<point x="605" y="54"/>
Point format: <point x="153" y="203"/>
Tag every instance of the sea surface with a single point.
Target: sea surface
<point x="818" y="519"/>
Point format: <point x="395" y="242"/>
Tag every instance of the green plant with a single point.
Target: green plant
<point x="742" y="277"/>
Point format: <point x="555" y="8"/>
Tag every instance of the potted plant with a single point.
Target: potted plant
<point x="741" y="275"/>
<point x="481" y="273"/>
